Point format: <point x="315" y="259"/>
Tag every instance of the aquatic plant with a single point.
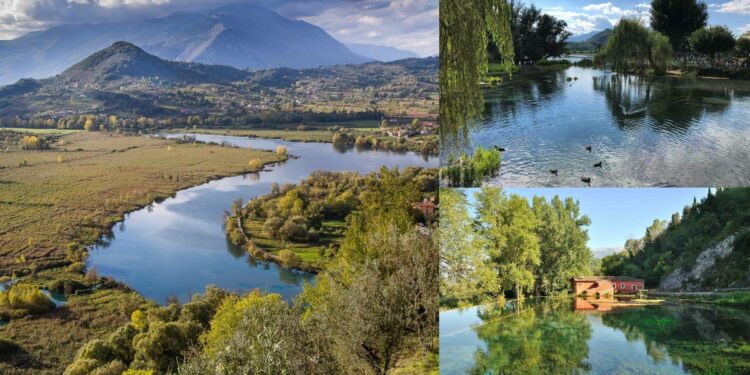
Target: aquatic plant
<point x="468" y="171"/>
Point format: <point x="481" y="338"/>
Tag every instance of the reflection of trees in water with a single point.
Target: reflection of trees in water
<point x="544" y="339"/>
<point x="705" y="339"/>
<point x="668" y="105"/>
<point x="236" y="251"/>
<point x="523" y="94"/>
<point x="291" y="276"/>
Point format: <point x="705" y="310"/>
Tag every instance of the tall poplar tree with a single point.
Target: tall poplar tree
<point x="508" y="231"/>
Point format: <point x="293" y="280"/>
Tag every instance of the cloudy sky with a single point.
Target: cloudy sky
<point x="586" y="16"/>
<point x="405" y="24"/>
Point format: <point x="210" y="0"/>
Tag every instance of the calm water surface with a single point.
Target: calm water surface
<point x="554" y="337"/>
<point x="662" y="131"/>
<point x="178" y="247"/>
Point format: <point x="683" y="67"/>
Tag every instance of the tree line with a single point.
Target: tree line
<point x="676" y="26"/>
<point x="134" y="122"/>
<point x="507" y="247"/>
<point x="667" y="245"/>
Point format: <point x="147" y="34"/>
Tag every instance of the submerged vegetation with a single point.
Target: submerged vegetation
<point x="388" y="296"/>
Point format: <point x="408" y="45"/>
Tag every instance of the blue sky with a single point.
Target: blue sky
<point x="617" y="214"/>
<point x="586" y="16"/>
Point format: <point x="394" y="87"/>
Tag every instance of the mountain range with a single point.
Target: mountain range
<point x="243" y="36"/>
<point x="123" y="79"/>
<point x="589" y="42"/>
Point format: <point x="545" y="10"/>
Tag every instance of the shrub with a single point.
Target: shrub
<point x="712" y="40"/>
<point x="32" y="142"/>
<point x="24" y="299"/>
<point x="294" y="229"/>
<point x="65" y="286"/>
<point x="77" y="267"/>
<point x="281" y="150"/>
<point x="289" y="259"/>
<point x="272" y="226"/>
<point x="255" y="164"/>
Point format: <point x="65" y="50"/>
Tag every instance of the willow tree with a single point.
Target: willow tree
<point x="465" y="26"/>
<point x="633" y="47"/>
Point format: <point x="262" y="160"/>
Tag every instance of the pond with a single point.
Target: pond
<point x="178" y="247"/>
<point x="645" y="131"/>
<point x="560" y="336"/>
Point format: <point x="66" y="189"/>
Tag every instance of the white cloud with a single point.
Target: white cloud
<point x="582" y="23"/>
<point x="407" y="24"/>
<point x="604" y="8"/>
<point x="744" y="29"/>
<point x="735" y="6"/>
<point x="598" y="16"/>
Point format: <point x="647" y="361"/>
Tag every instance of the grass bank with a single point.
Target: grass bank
<point x="74" y="192"/>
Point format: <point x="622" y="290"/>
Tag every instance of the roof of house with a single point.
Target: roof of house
<point x="601" y="278"/>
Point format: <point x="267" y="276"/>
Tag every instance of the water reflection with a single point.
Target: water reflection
<point x="594" y="336"/>
<point x="177" y="247"/>
<point x="647" y="131"/>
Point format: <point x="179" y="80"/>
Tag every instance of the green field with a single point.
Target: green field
<point x="314" y="255"/>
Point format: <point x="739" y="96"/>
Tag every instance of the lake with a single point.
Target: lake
<point x="560" y="336"/>
<point x="178" y="247"/>
<point x="646" y="131"/>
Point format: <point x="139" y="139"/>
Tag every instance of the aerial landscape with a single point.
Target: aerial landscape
<point x="209" y="187"/>
<point x="611" y="94"/>
<point x="553" y="281"/>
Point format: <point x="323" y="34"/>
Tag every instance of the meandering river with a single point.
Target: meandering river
<point x="178" y="247"/>
<point x="646" y="131"/>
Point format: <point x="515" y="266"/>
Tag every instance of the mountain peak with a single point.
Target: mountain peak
<point x="123" y="60"/>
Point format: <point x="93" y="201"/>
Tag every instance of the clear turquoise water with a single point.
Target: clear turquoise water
<point x="178" y="247"/>
<point x="661" y="131"/>
<point x="552" y="338"/>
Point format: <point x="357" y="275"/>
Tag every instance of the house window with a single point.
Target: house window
<point x="635" y="287"/>
<point x="622" y="286"/>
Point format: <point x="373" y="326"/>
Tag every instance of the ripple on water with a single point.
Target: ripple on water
<point x="693" y="132"/>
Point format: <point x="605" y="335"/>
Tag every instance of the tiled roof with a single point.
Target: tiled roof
<point x="610" y="278"/>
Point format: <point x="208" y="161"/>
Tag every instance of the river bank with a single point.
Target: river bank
<point x="45" y="204"/>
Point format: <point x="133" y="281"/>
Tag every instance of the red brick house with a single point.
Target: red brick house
<point x="591" y="285"/>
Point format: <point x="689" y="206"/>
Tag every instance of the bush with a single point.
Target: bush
<point x="281" y="150"/>
<point x="294" y="229"/>
<point x="23" y="299"/>
<point x="65" y="286"/>
<point x="32" y="142"/>
<point x="255" y="164"/>
<point x="273" y="225"/>
<point x="289" y="259"/>
<point x="77" y="267"/>
<point x="560" y="62"/>
<point x="712" y="40"/>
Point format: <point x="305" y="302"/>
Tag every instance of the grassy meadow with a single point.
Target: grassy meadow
<point x="74" y="192"/>
<point x="86" y="182"/>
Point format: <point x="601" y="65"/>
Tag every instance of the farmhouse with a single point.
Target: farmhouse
<point x="591" y="285"/>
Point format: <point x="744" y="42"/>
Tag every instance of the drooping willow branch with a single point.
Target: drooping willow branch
<point x="465" y="26"/>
